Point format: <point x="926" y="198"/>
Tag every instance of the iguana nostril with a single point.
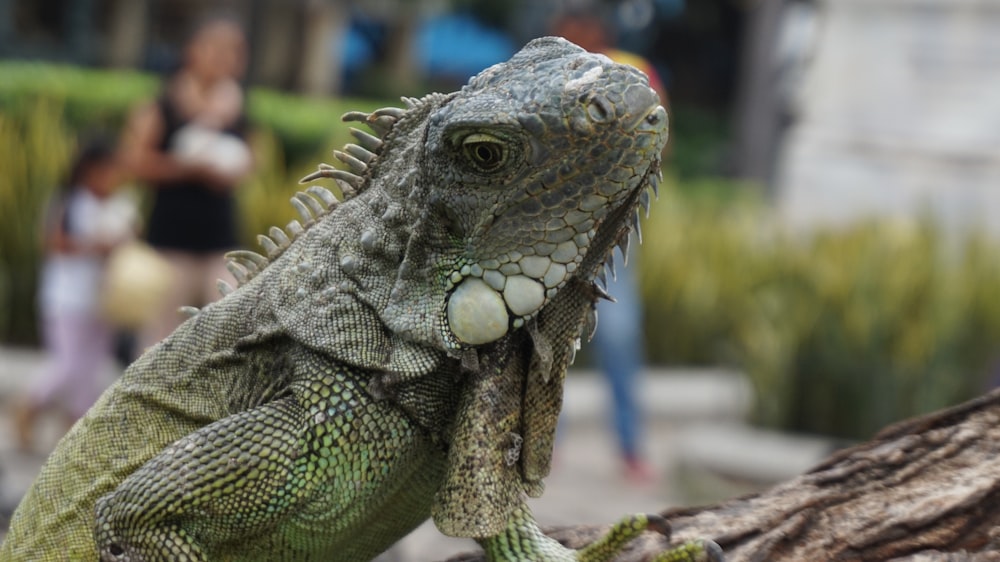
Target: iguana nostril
<point x="599" y="108"/>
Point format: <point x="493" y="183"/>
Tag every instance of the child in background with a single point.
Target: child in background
<point x="86" y="220"/>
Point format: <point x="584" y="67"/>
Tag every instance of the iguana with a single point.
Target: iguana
<point x="399" y="354"/>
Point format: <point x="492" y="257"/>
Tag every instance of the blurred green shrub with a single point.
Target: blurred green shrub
<point x="45" y="107"/>
<point x="101" y="99"/>
<point x="36" y="146"/>
<point x="841" y="331"/>
<point x="699" y="142"/>
<point x="34" y="153"/>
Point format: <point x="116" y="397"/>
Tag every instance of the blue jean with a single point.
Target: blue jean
<point x="621" y="354"/>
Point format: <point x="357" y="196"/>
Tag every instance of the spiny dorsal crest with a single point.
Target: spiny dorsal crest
<point x="317" y="201"/>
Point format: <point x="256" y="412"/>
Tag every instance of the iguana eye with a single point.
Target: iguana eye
<point x="486" y="152"/>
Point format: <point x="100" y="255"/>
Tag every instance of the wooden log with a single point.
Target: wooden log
<point x="925" y="489"/>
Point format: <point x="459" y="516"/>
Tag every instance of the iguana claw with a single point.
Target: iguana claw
<point x="524" y="541"/>
<point x="629" y="528"/>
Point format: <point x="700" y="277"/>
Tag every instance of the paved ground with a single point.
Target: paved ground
<point x="586" y="485"/>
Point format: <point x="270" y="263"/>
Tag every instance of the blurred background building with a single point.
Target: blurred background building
<point x="896" y="115"/>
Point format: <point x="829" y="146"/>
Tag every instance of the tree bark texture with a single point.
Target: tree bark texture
<point x="925" y="489"/>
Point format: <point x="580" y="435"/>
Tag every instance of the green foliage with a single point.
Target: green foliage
<point x="34" y="152"/>
<point x="301" y="124"/>
<point x="698" y="143"/>
<point x="44" y="107"/>
<point x="89" y="98"/>
<point x="102" y="99"/>
<point x="842" y="331"/>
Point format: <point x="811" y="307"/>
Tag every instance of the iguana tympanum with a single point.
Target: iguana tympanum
<point x="398" y="355"/>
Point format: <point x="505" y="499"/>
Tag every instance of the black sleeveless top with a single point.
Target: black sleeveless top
<point x="191" y="216"/>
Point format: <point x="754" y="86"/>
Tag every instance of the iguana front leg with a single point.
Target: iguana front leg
<point x="524" y="541"/>
<point x="322" y="472"/>
<point x="482" y="495"/>
<point x="220" y="483"/>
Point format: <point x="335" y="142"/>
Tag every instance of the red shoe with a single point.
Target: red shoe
<point x="639" y="472"/>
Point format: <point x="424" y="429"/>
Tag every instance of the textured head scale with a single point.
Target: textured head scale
<point x="522" y="167"/>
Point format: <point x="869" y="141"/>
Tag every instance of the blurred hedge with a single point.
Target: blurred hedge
<point x="45" y="107"/>
<point x="36" y="146"/>
<point x="102" y="99"/>
<point x="842" y="331"/>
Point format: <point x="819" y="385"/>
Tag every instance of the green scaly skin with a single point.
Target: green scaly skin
<point x="399" y="356"/>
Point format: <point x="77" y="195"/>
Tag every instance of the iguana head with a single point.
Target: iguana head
<point x="467" y="213"/>
<point x="522" y="170"/>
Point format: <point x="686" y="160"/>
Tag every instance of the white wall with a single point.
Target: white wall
<point x="898" y="112"/>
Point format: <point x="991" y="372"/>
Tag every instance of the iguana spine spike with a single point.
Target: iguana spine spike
<point x="359" y="152"/>
<point x="354" y="180"/>
<point x="356" y="165"/>
<point x="239" y="271"/>
<point x="224" y="288"/>
<point x="359" y="116"/>
<point x="636" y="226"/>
<point x="610" y="265"/>
<point x="623" y="245"/>
<point x="302" y="210"/>
<point x="644" y="201"/>
<point x="367" y="140"/>
<point x="279" y="237"/>
<point x="602" y="276"/>
<point x="394" y="112"/>
<point x="654" y="183"/>
<point x="189" y="311"/>
<point x="258" y="261"/>
<point x="314" y="205"/>
<point x="270" y="247"/>
<point x="324" y="195"/>
<point x="322" y="171"/>
<point x="294" y="228"/>
<point x="346" y="188"/>
<point x="251" y="267"/>
<point x="380" y="121"/>
<point x="382" y="124"/>
<point x="603" y="294"/>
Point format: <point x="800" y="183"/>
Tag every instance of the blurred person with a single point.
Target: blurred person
<point x="84" y="223"/>
<point x="189" y="146"/>
<point x="619" y="337"/>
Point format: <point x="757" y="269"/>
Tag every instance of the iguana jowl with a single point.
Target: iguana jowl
<point x="399" y="354"/>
